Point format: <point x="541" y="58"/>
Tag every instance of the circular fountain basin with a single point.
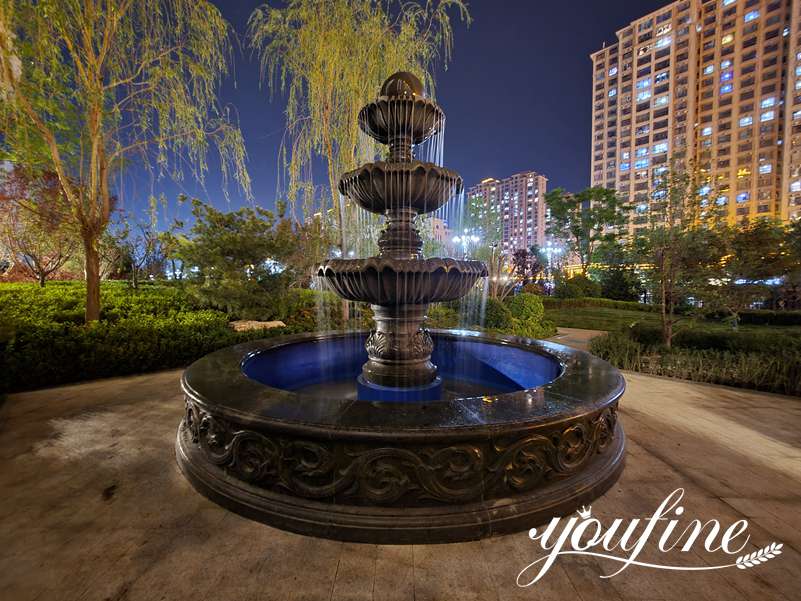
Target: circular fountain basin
<point x="524" y="430"/>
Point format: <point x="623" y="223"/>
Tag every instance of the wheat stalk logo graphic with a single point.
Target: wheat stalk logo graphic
<point x="759" y="556"/>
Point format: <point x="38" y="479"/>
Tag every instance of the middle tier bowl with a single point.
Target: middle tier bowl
<point x="381" y="281"/>
<point x="379" y="187"/>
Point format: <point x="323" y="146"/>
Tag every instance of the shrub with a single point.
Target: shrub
<point x="532" y="288"/>
<point x="528" y="314"/>
<point x="701" y="338"/>
<point x="497" y="316"/>
<point x="776" y="371"/>
<point x="440" y="316"/>
<point x="53" y="353"/>
<point x="761" y="317"/>
<point x="619" y="349"/>
<point x="43" y="340"/>
<point x="576" y="287"/>
<point x="310" y="309"/>
<point x="619" y="283"/>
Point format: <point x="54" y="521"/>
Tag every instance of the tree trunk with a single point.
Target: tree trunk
<point x="42" y="278"/>
<point x="667" y="314"/>
<point x="92" y="271"/>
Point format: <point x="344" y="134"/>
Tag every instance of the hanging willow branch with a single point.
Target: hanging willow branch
<point x="89" y="86"/>
<point x="330" y="60"/>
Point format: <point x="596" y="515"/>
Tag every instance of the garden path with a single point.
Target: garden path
<point x="93" y="508"/>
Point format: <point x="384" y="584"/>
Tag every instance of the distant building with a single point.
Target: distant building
<point x="520" y="200"/>
<point x="715" y="82"/>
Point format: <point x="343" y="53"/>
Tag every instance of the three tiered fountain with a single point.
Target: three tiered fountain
<point x="401" y="435"/>
<point x="399" y="283"/>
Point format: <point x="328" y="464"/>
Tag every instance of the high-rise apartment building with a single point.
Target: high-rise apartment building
<point x="520" y="201"/>
<point x="715" y="82"/>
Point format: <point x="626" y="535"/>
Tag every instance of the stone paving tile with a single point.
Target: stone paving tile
<point x="93" y="508"/>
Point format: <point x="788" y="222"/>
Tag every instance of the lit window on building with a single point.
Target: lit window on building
<point x="661" y="77"/>
<point x="641" y="152"/>
<point x="726" y="76"/>
<point x="743" y="197"/>
<point x="660" y="148"/>
<point x="751" y="16"/>
<point x="624" y="166"/>
<point x="725" y="88"/>
<point x="641" y="164"/>
<point x="795" y="186"/>
<point x="765" y="169"/>
<point x="644" y="83"/>
<point x="745" y="121"/>
<point x="796" y="115"/>
<point x="644" y="95"/>
<point x="704" y="190"/>
<point x="727" y="39"/>
<point x="661" y="100"/>
<point x="721" y="200"/>
<point x="725" y="64"/>
<point x="612" y="92"/>
<point x="709" y="69"/>
<point x="768" y="102"/>
<point x="625" y="155"/>
<point x="727" y="2"/>
<point x="612" y="71"/>
<point x="767" y="116"/>
<point x="662" y="42"/>
<point x="707" y="131"/>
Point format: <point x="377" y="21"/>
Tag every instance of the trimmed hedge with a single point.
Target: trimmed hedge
<point x="762" y="317"/>
<point x="732" y="363"/>
<point x="551" y="302"/>
<point x="43" y="340"/>
<point x="705" y="339"/>
<point x="53" y="354"/>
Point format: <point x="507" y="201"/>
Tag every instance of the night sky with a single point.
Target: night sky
<point x="517" y="95"/>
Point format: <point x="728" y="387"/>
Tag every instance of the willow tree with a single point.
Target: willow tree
<point x="88" y="87"/>
<point x="331" y="60"/>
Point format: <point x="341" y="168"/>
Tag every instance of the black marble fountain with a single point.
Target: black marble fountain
<point x="401" y="435"/>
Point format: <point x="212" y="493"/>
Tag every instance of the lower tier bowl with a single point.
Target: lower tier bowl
<point x="506" y="458"/>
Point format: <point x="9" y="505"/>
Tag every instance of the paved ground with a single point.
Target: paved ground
<point x="93" y="507"/>
<point x="575" y="337"/>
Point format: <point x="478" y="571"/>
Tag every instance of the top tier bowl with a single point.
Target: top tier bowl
<point x="415" y="119"/>
<point x="401" y="113"/>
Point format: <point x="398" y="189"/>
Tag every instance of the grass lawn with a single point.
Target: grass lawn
<point x="604" y="318"/>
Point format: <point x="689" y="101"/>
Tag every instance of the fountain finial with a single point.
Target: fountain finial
<point x="401" y="84"/>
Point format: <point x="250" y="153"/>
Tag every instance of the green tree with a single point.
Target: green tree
<point x="143" y="251"/>
<point x="329" y="62"/>
<point x="681" y="244"/>
<point x="755" y="252"/>
<point x="585" y="220"/>
<point x="617" y="272"/>
<point x="482" y="239"/>
<point x="88" y="87"/>
<point x="234" y="258"/>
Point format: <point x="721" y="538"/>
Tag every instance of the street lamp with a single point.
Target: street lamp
<point x="465" y="241"/>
